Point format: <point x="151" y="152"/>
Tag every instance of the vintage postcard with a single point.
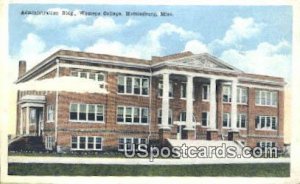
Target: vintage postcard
<point x="139" y="91"/>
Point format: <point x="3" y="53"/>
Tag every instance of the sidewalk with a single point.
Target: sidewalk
<point x="143" y="161"/>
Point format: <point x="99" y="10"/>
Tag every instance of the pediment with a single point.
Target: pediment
<point x="204" y="61"/>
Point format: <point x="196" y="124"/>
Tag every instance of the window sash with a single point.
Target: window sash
<point x="226" y="120"/>
<point x="132" y="115"/>
<point x="86" y="112"/>
<point x="226" y="94"/>
<point x="205" y="119"/>
<point x="50" y="113"/>
<point x="266" y="123"/>
<point x="133" y="85"/>
<point x="205" y="92"/>
<point x="86" y="143"/>
<point x="266" y="98"/>
<point x="242" y="95"/>
<point x="127" y="142"/>
<point x="242" y="121"/>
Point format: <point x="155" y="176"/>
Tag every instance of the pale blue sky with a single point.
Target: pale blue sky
<point x="254" y="39"/>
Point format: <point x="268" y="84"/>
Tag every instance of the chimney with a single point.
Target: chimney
<point x="22" y="68"/>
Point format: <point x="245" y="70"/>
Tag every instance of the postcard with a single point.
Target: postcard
<point x="146" y="92"/>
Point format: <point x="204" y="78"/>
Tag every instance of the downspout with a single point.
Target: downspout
<point x="56" y="103"/>
<point x="150" y="103"/>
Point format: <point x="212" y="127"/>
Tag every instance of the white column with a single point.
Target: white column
<point x="165" y="102"/>
<point x="189" y="103"/>
<point x="27" y="120"/>
<point x="233" y="104"/>
<point x="212" y="104"/>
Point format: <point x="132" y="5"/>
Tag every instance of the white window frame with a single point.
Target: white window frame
<point x="50" y="116"/>
<point x="239" y="121"/>
<point x="170" y="118"/>
<point x="207" y="92"/>
<point x="132" y="115"/>
<point x="265" y="119"/>
<point x="228" y="119"/>
<point x="87" y="112"/>
<point x="241" y="92"/>
<point x="207" y="119"/>
<point x="131" y="142"/>
<point x="266" y="98"/>
<point x="88" y="73"/>
<point x="228" y="92"/>
<point x="49" y="142"/>
<point x="86" y="143"/>
<point x="141" y="79"/>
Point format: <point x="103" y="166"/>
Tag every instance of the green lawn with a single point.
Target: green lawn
<point x="247" y="170"/>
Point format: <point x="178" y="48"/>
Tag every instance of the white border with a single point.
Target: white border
<point x="238" y="180"/>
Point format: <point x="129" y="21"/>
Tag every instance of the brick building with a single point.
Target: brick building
<point x="180" y="96"/>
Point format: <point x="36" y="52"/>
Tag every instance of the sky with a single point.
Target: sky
<point x="255" y="39"/>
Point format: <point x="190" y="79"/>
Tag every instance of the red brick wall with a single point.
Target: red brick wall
<point x="111" y="131"/>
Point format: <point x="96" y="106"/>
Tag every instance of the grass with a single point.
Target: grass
<point x="246" y="170"/>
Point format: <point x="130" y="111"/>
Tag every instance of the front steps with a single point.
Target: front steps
<point x="27" y="144"/>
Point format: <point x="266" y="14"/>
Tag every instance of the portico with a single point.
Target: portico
<point x="32" y="111"/>
<point x="190" y="124"/>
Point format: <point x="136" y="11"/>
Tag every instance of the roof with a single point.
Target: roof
<point x="202" y="61"/>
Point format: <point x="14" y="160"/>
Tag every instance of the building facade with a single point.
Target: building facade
<point x="180" y="96"/>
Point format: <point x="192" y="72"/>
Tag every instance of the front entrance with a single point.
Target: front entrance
<point x="36" y="120"/>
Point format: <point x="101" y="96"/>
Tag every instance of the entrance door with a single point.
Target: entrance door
<point x="36" y="120"/>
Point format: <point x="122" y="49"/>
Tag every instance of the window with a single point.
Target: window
<point x="145" y="86"/>
<point x="87" y="112"/>
<point x="133" y="85"/>
<point x="205" y="119"/>
<point x="137" y="86"/>
<point x="242" y="95"/>
<point x="266" y="98"/>
<point x="226" y="94"/>
<point x="159" y="117"/>
<point x="86" y="143"/>
<point x="129" y="85"/>
<point x="266" y="123"/>
<point x="160" y="89"/>
<point x="241" y="121"/>
<point x="136" y="115"/>
<point x="89" y="75"/>
<point x="82" y="112"/>
<point x="128" y="143"/>
<point x="205" y="92"/>
<point x="120" y="114"/>
<point x="48" y="142"/>
<point x="121" y="84"/>
<point x="144" y="115"/>
<point x="50" y="113"/>
<point x="266" y="144"/>
<point x="226" y="120"/>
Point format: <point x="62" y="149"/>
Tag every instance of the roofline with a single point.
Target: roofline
<point x="147" y="65"/>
